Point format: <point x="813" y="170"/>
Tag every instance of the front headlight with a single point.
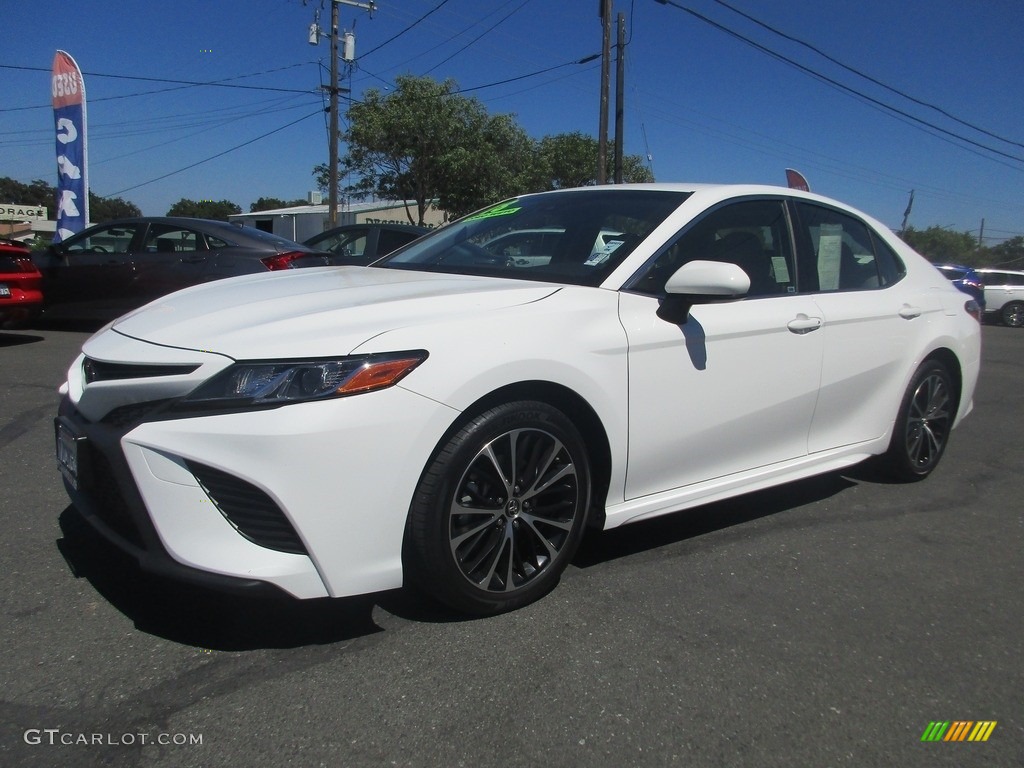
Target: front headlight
<point x="269" y="383"/>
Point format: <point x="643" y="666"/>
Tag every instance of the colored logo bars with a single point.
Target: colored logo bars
<point x="959" y="730"/>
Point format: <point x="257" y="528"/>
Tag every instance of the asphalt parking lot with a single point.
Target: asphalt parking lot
<point x="825" y="623"/>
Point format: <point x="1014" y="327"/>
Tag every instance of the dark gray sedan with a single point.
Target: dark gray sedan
<point x="114" y="267"/>
<point x="360" y="244"/>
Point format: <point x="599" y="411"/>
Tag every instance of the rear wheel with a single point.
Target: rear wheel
<point x="923" y="425"/>
<point x="501" y="509"/>
<point x="1013" y="314"/>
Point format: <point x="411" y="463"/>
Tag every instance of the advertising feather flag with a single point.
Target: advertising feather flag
<point x="69" y="119"/>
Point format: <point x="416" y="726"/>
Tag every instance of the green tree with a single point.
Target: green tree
<point x="107" y="208"/>
<point x="1008" y="254"/>
<point x="38" y="192"/>
<point x="940" y="245"/>
<point x="272" y="203"/>
<point x="204" y="209"/>
<point x="570" y="160"/>
<point x="423" y="142"/>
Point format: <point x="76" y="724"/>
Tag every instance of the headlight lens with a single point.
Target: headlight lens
<point x="268" y="383"/>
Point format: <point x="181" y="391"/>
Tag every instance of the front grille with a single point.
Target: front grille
<point x="100" y="485"/>
<point x="97" y="370"/>
<point x="251" y="511"/>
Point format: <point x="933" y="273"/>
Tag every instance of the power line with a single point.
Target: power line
<point x="421" y="18"/>
<point x="841" y="86"/>
<point x="213" y="157"/>
<point x="475" y="39"/>
<point x="184" y="83"/>
<point x="867" y="77"/>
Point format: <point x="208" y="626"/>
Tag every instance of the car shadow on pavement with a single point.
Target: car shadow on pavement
<point x="602" y="546"/>
<point x="17" y="339"/>
<point x="205" y="618"/>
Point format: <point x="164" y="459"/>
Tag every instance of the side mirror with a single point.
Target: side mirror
<point x="701" y="282"/>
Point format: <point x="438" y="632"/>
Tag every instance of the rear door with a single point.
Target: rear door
<point x="871" y="323"/>
<point x="170" y="257"/>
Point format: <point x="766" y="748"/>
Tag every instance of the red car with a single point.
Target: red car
<point x="21" y="285"/>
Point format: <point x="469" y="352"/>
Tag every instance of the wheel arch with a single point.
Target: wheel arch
<point x="951" y="363"/>
<point x="575" y="407"/>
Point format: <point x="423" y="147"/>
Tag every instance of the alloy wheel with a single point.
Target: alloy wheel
<point x="928" y="421"/>
<point x="513" y="509"/>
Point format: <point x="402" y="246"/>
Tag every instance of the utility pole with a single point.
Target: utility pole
<point x="620" y="85"/>
<point x="981" y="235"/>
<point x="602" y="129"/>
<point x="906" y="214"/>
<point x="333" y="91"/>
<point x="332" y="140"/>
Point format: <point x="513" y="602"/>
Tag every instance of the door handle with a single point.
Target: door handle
<point x="908" y="312"/>
<point x="194" y="260"/>
<point x="803" y="324"/>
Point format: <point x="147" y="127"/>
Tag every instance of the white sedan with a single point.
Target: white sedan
<point x="453" y="418"/>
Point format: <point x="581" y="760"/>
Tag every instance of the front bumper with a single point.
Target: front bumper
<point x="192" y="498"/>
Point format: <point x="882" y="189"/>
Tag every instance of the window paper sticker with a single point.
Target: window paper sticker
<point x="830" y="251"/>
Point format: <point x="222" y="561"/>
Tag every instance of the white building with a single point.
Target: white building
<point x="301" y="222"/>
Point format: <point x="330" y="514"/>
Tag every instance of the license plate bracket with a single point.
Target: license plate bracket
<point x="68" y="449"/>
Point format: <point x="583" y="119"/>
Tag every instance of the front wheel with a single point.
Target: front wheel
<point x="922" y="427"/>
<point x="500" y="510"/>
<point x="1013" y="314"/>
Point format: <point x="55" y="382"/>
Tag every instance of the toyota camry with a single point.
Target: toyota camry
<point x="455" y="416"/>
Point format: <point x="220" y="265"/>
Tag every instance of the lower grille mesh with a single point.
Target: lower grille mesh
<point x="251" y="511"/>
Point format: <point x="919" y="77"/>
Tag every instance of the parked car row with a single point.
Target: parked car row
<point x="999" y="292"/>
<point x="117" y="266"/>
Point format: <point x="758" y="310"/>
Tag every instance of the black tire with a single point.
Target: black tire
<point x="500" y="510"/>
<point x="923" y="425"/>
<point x="1012" y="314"/>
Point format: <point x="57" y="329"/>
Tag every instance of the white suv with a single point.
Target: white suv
<point x="1004" y="295"/>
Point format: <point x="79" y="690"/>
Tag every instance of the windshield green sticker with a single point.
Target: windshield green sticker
<point x="502" y="209"/>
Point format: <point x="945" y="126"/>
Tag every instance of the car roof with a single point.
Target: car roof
<point x="706" y="194"/>
<point x="390" y="225"/>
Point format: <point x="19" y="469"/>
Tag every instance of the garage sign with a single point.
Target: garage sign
<point x="16" y="212"/>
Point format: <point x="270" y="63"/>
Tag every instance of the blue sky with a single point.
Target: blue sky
<point x="704" y="104"/>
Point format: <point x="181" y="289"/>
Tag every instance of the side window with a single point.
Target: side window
<point x="753" y="234"/>
<point x="845" y="255"/>
<point x="890" y="267"/>
<point x="387" y="240"/>
<point x="115" y="239"/>
<point x="347" y="243"/>
<point x="215" y="243"/>
<point x="355" y="245"/>
<point x="164" y="238"/>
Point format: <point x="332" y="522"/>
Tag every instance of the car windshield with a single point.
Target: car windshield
<point x="575" y="237"/>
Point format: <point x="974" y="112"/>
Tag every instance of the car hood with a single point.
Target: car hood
<point x="292" y="314"/>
